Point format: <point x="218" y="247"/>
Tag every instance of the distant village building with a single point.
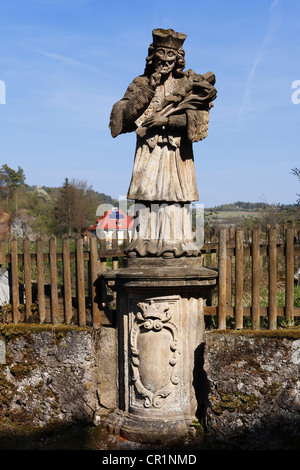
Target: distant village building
<point x="113" y="221"/>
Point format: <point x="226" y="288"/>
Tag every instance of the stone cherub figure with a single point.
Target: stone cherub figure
<point x="169" y="110"/>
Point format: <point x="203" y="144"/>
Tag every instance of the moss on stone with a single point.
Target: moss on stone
<point x="235" y="401"/>
<point x="270" y="391"/>
<point x="251" y="362"/>
<point x="20" y="370"/>
<point x="25" y="330"/>
<point x="289" y="333"/>
<point x="7" y="390"/>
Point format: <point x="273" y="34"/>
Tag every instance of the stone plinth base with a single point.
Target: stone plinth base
<point x="158" y="431"/>
<point x="160" y="328"/>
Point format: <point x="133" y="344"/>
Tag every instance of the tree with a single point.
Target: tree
<point x="296" y="172"/>
<point x="70" y="210"/>
<point x="40" y="205"/>
<point x="10" y="180"/>
<point x="295" y="211"/>
<point x="92" y="199"/>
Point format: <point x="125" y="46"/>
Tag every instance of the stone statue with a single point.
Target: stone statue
<point x="163" y="287"/>
<point x="169" y="110"/>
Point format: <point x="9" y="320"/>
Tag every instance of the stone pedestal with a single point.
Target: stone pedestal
<point x="160" y="327"/>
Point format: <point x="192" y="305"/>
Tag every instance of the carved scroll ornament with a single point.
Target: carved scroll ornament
<point x="154" y="317"/>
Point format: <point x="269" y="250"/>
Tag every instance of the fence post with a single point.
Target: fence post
<point x="222" y="280"/>
<point x="239" y="278"/>
<point x="95" y="269"/>
<point x="289" y="273"/>
<point x="67" y="279"/>
<point x="213" y="256"/>
<point x="40" y="279"/>
<point x="255" y="278"/>
<point x="272" y="279"/>
<point x="14" y="279"/>
<point x="103" y="248"/>
<point x="80" y="282"/>
<point x="27" y="278"/>
<point x="115" y="246"/>
<point x="228" y="280"/>
<point x="2" y="252"/>
<point x="53" y="280"/>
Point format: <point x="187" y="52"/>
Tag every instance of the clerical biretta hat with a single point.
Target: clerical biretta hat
<point x="168" y="38"/>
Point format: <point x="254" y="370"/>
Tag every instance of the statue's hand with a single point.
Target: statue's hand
<point x="156" y="120"/>
<point x="155" y="79"/>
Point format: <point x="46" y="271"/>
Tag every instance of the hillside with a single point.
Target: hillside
<point x="42" y="211"/>
<point x="247" y="214"/>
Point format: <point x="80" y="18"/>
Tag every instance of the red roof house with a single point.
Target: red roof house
<point x="113" y="220"/>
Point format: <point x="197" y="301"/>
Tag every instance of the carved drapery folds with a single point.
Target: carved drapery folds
<point x="154" y="319"/>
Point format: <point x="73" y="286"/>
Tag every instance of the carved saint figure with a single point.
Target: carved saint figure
<point x="169" y="110"/>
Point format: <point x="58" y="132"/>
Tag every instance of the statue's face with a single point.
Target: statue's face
<point x="165" y="60"/>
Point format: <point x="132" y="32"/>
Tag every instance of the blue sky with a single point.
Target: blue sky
<point x="66" y="62"/>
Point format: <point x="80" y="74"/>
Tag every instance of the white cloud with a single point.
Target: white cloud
<point x="274" y="23"/>
<point x="68" y="61"/>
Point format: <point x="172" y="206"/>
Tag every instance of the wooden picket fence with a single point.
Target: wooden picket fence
<point x="53" y="281"/>
<point x="263" y="260"/>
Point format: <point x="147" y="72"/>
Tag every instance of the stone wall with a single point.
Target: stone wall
<point x="252" y="386"/>
<point x="248" y="384"/>
<point x="56" y="374"/>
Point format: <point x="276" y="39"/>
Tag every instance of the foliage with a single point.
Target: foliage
<point x="72" y="207"/>
<point x="10" y="181"/>
<point x="296" y="172"/>
<point x="40" y="205"/>
<point x="265" y="215"/>
<point x="69" y="209"/>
